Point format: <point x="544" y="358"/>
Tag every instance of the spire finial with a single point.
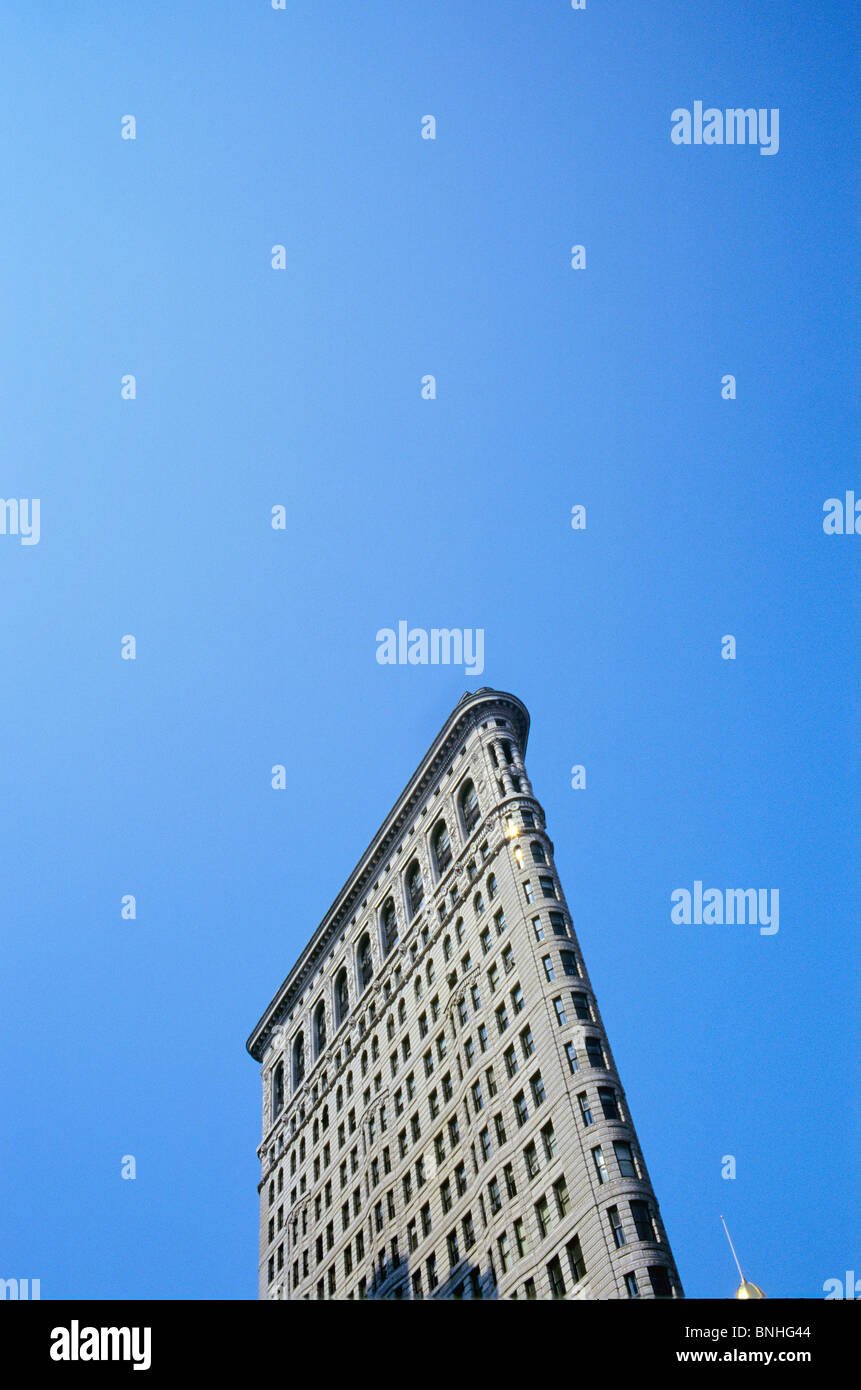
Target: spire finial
<point x="745" y="1289"/>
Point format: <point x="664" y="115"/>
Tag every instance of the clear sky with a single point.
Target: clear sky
<point x="301" y="387"/>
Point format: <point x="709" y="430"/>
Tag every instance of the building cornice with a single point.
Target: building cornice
<point x="463" y="717"/>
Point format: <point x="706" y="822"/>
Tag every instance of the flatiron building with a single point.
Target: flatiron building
<point x="442" y="1114"/>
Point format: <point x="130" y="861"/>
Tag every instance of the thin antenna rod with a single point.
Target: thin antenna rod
<point x="732" y="1248"/>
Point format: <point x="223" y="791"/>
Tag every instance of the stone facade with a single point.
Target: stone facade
<point x="442" y="1116"/>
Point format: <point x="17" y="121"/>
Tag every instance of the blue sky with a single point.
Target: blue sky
<point x="300" y="387"/>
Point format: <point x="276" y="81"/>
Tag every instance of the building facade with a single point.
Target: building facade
<point x="442" y="1116"/>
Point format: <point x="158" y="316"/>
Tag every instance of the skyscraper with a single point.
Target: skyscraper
<point x="442" y="1116"/>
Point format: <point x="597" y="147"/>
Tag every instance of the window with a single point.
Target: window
<point x="554" y="1274"/>
<point x="520" y="1238"/>
<point x="595" y="1052"/>
<point x="477" y="1099"/>
<point x="548" y="1138"/>
<point x="518" y="856"/>
<point x="559" y="1006"/>
<point x="520" y="1110"/>
<point x="441" y="845"/>
<point x="485" y="940"/>
<point x="421" y="1176"/>
<point x="600" y="1165"/>
<point x="575" y="1259"/>
<point x="547" y="887"/>
<point x="609" y="1103"/>
<point x="625" y="1159"/>
<point x="642" y="1220"/>
<point x="507" y="960"/>
<point x="478" y="904"/>
<point x="365" y="963"/>
<point x="415" y="887"/>
<point x="425" y="1215"/>
<point x="299" y="1062"/>
<point x="476" y="998"/>
<point x="660" y="1281"/>
<point x="557" y="922"/>
<point x="469" y="1052"/>
<point x="530" y="1154"/>
<point x="527" y="889"/>
<point x="469" y="807"/>
<point x="491" y="885"/>
<point x="632" y="1286"/>
<point x="615" y="1221"/>
<point x="447" y="1088"/>
<point x="416" y="1128"/>
<point x="499" y="1127"/>
<point x="542" y="1216"/>
<point x="499" y="919"/>
<point x="439" y="1149"/>
<point x="501" y="1018"/>
<point x="389" y="922"/>
<point x="430" y="1266"/>
<point x="428" y="1061"/>
<point x="510" y="1184"/>
<point x="277" y="1089"/>
<point x="417" y="1284"/>
<point x="585" y="1108"/>
<point x="493" y="977"/>
<point x="517" y="999"/>
<point x="582" y="1008"/>
<point x="468" y="1231"/>
<point x="539" y="1095"/>
<point x="493" y="1196"/>
<point x="504" y="1252"/>
<point x="560" y="1195"/>
<point x="529" y="1289"/>
<point x="510" y="1059"/>
<point x="526" y="1041"/>
<point x="573" y="1064"/>
<point x="453" y="1252"/>
<point x="482" y="1037"/>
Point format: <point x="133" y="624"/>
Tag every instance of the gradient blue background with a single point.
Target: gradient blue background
<point x="257" y="647"/>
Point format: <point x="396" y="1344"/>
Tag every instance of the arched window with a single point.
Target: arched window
<point x="419" y="986"/>
<point x="402" y="1011"/>
<point x="491" y="886"/>
<point x="390" y="925"/>
<point x="298" y="1059"/>
<point x="538" y="855"/>
<point x="277" y="1089"/>
<point x="446" y="948"/>
<point x="365" y="962"/>
<point x="316" y="1131"/>
<point x="478" y="904"/>
<point x="441" y="845"/>
<point x="430" y="971"/>
<point x="469" y="807"/>
<point x="319" y="1028"/>
<point x="342" y="997"/>
<point x="415" y="887"/>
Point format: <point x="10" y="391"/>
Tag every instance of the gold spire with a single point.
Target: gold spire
<point x="745" y="1289"/>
